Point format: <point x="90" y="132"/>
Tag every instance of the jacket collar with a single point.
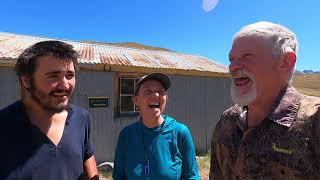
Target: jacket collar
<point x="285" y="107"/>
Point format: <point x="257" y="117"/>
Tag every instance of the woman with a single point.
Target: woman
<point x="157" y="146"/>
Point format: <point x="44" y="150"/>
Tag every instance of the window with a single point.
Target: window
<point x="127" y="88"/>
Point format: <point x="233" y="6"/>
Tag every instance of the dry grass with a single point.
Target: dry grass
<point x="308" y="84"/>
<point x="105" y="176"/>
<point x="203" y="166"/>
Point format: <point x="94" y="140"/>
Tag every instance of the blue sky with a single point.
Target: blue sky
<point x="180" y="25"/>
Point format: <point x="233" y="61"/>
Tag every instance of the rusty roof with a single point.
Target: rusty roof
<point x="116" y="58"/>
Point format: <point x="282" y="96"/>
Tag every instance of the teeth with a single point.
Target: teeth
<point x="154" y="104"/>
<point x="241" y="81"/>
<point x="237" y="77"/>
<point x="60" y="94"/>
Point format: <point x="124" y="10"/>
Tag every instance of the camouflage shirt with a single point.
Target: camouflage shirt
<point x="286" y="145"/>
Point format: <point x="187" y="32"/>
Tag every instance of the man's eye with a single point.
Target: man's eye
<point x="246" y="55"/>
<point x="70" y="76"/>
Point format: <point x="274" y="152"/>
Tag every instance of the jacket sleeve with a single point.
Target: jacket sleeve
<point x="189" y="162"/>
<point x="119" y="163"/>
<point x="215" y="168"/>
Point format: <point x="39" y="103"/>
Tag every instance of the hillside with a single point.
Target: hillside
<point x="308" y="84"/>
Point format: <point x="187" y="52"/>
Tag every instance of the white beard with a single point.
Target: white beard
<point x="243" y="99"/>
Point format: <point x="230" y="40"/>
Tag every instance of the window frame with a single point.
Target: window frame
<point x="134" y="77"/>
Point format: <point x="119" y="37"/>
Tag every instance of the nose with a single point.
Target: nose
<point x="235" y="66"/>
<point x="155" y="93"/>
<point x="64" y="83"/>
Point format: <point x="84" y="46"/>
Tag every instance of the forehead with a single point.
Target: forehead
<point x="248" y="43"/>
<point x="152" y="83"/>
<point x="50" y="63"/>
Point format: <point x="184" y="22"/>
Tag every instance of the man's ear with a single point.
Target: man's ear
<point x="25" y="81"/>
<point x="167" y="98"/>
<point x="288" y="62"/>
<point x="134" y="99"/>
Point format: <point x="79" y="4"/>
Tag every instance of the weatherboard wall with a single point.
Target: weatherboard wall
<point x="9" y="86"/>
<point x="98" y="84"/>
<point x="198" y="103"/>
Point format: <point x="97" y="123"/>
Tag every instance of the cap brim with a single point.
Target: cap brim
<point x="163" y="78"/>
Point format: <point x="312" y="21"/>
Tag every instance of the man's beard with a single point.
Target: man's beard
<point x="243" y="99"/>
<point x="44" y="99"/>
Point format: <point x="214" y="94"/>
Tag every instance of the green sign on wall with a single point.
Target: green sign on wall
<point x="97" y="102"/>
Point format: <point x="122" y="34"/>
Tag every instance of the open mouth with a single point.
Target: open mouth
<point x="60" y="94"/>
<point x="154" y="105"/>
<point x="240" y="81"/>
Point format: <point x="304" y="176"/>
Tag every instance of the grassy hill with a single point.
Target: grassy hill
<point x="308" y="84"/>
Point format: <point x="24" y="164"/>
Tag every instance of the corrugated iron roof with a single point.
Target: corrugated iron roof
<point x="11" y="45"/>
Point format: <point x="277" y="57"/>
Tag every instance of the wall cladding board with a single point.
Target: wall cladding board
<point x="9" y="86"/>
<point x="177" y="98"/>
<point x="195" y="90"/>
<point x="98" y="84"/>
<point x="217" y="100"/>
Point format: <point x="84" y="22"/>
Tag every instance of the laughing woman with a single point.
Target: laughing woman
<point x="156" y="147"/>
